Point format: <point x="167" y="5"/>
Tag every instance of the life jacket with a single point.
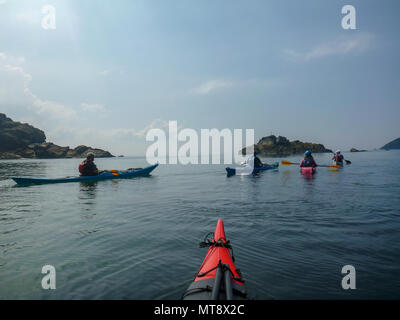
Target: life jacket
<point x="308" y="162"/>
<point x="338" y="157"/>
<point x="82" y="166"/>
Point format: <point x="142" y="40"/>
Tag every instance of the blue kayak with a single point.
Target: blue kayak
<point x="232" y="171"/>
<point x="103" y="176"/>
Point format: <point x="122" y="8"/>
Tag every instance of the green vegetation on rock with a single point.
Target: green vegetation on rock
<point x="273" y="146"/>
<point x="15" y="135"/>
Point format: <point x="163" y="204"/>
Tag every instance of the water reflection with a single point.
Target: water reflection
<point x="88" y="189"/>
<point x="86" y="196"/>
<point x="333" y="171"/>
<point x="286" y="175"/>
<point x="307" y="176"/>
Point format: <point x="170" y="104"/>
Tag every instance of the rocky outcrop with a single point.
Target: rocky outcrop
<point x="273" y="146"/>
<point x="50" y="150"/>
<point x="20" y="140"/>
<point x="15" y="135"/>
<point x="356" y="150"/>
<point x="395" y="144"/>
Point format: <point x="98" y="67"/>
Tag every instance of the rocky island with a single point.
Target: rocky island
<point x="273" y="146"/>
<point x="395" y="144"/>
<point x="21" y="140"/>
<point x="356" y="150"/>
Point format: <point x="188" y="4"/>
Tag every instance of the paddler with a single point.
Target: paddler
<point x="88" y="167"/>
<point x="257" y="162"/>
<point x="338" y="158"/>
<point x="308" y="160"/>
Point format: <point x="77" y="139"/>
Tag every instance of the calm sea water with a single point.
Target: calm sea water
<point x="138" y="238"/>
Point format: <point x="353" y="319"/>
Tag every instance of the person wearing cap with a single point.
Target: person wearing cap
<point x="308" y="160"/>
<point x="338" y="158"/>
<point x="88" y="167"/>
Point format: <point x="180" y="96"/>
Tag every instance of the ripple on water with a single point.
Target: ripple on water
<point x="138" y="239"/>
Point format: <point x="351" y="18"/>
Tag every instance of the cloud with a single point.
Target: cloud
<point x="92" y="107"/>
<point x="11" y="59"/>
<point x="64" y="125"/>
<point x="26" y="76"/>
<point x="109" y="134"/>
<point x="53" y="109"/>
<point x="340" y="46"/>
<point x="16" y="90"/>
<point x="117" y="140"/>
<point x="211" y="86"/>
<point x="31" y="17"/>
<point x="105" y="72"/>
<point x="242" y="84"/>
<point x="155" y="124"/>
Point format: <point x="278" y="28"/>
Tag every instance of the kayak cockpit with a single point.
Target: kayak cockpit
<point x="221" y="287"/>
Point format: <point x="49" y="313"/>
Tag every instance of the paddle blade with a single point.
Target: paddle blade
<point x="334" y="166"/>
<point x="286" y="163"/>
<point x="114" y="172"/>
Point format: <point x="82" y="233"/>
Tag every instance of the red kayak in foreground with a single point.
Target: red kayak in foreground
<point x="308" y="170"/>
<point x="217" y="278"/>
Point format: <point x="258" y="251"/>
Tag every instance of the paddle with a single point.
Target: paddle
<point x="287" y="163"/>
<point x="114" y="172"/>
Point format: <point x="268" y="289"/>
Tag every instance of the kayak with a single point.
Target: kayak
<point x="217" y="278"/>
<point x="103" y="176"/>
<point x="245" y="170"/>
<point x="308" y="170"/>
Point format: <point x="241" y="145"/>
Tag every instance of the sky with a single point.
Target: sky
<point x="112" y="70"/>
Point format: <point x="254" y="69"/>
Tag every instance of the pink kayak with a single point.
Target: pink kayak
<point x="308" y="170"/>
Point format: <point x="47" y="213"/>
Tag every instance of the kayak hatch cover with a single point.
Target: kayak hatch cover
<point x="217" y="278"/>
<point x="103" y="176"/>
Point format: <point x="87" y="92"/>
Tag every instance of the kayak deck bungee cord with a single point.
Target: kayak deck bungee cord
<point x="218" y="278"/>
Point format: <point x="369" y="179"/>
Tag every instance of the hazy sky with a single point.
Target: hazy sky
<point x="113" y="69"/>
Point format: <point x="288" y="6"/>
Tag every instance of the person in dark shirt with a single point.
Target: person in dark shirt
<point x="257" y="162"/>
<point x="88" y="167"/>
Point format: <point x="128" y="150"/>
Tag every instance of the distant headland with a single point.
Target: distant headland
<point x="21" y="140"/>
<point x="395" y="144"/>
